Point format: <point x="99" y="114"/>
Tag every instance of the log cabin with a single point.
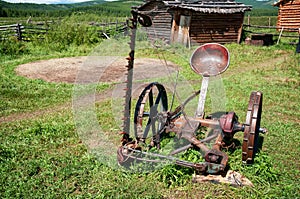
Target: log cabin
<point x="288" y="14"/>
<point x="195" y="22"/>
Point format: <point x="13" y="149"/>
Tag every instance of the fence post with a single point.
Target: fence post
<point x="19" y="32"/>
<point x="248" y="22"/>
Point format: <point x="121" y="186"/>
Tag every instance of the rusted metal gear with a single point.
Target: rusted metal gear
<point x="252" y="127"/>
<point x="151" y="104"/>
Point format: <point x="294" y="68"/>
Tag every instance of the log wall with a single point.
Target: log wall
<point x="289" y="15"/>
<point x="220" y="28"/>
<point x="161" y="27"/>
<point x="161" y="21"/>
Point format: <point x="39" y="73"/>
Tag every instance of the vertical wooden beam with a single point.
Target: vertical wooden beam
<point x="240" y="31"/>
<point x="175" y="27"/>
<point x="248" y="22"/>
<point x="183" y="31"/>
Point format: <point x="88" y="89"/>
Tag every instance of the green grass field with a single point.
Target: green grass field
<point x="42" y="156"/>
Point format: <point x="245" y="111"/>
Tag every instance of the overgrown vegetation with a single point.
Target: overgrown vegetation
<point x="63" y="34"/>
<point x="69" y="32"/>
<point x="12" y="46"/>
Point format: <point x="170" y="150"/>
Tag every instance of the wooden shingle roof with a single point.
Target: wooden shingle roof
<point x="223" y="7"/>
<point x="281" y="2"/>
<point x="204" y="6"/>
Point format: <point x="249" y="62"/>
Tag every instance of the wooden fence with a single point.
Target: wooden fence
<point x="21" y="32"/>
<point x="267" y="34"/>
<point x="105" y="29"/>
<point x="38" y="30"/>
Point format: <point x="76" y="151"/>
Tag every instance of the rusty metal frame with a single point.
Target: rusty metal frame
<point x="185" y="127"/>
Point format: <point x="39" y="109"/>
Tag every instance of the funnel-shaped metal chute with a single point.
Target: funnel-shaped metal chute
<point x="210" y="59"/>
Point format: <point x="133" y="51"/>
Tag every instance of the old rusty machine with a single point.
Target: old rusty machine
<point x="153" y="120"/>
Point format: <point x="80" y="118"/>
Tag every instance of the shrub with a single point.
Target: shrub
<point x="70" y="32"/>
<point x="12" y="46"/>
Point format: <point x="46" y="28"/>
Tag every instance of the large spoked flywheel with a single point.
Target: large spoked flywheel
<point x="252" y="127"/>
<point x="151" y="104"/>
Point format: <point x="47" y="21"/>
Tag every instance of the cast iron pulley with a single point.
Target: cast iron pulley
<point x="252" y="127"/>
<point x="147" y="116"/>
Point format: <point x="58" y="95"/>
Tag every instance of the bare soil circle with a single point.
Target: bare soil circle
<point x="66" y="69"/>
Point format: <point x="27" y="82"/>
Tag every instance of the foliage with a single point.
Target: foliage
<point x="69" y="32"/>
<point x="262" y="172"/>
<point x="117" y="9"/>
<point x="12" y="46"/>
<point x="260" y="6"/>
<point x="173" y="175"/>
<point x="63" y="34"/>
<point x="262" y="12"/>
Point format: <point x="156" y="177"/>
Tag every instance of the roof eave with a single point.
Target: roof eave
<point x="215" y="9"/>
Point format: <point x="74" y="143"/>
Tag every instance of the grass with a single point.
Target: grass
<point x="19" y="94"/>
<point x="45" y="157"/>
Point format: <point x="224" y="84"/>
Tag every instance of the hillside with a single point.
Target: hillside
<point x="120" y="8"/>
<point x="34" y="6"/>
<point x="258" y="4"/>
<point x="261" y="8"/>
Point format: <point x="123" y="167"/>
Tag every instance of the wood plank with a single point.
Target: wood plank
<point x="232" y="178"/>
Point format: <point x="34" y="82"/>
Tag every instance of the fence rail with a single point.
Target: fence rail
<point x="272" y="27"/>
<point x="265" y="34"/>
<point x="21" y="32"/>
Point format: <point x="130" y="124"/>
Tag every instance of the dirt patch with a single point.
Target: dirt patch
<point x="79" y="69"/>
<point x="105" y="69"/>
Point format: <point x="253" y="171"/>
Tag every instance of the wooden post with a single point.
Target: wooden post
<point x="183" y="30"/>
<point x="269" y="22"/>
<point x="248" y="22"/>
<point x="19" y="32"/>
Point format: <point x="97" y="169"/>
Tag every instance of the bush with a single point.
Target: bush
<point x="70" y="32"/>
<point x="12" y="46"/>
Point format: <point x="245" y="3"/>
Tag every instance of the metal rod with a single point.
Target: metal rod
<point x="202" y="96"/>
<point x="181" y="149"/>
<point x="173" y="95"/>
